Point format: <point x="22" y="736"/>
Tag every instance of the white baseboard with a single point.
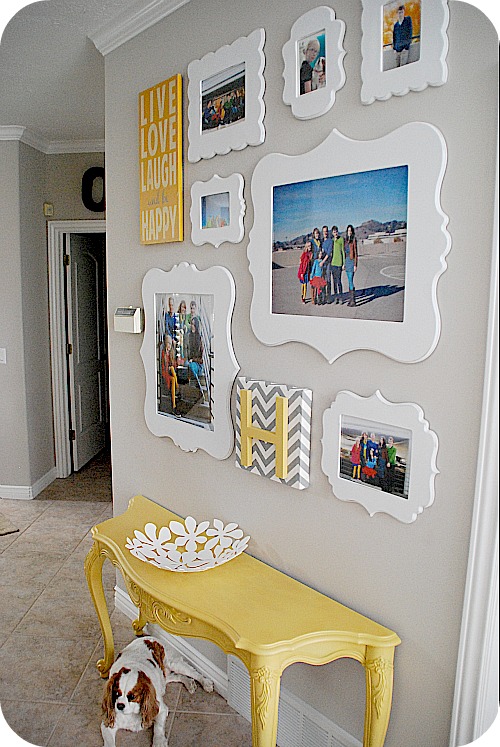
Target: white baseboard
<point x="299" y="725"/>
<point x="28" y="492"/>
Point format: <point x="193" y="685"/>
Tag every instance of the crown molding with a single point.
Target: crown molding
<point x="132" y="21"/>
<point x="49" y="147"/>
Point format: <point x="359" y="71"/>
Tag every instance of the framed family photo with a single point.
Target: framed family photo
<point x="404" y="47"/>
<point x="226" y="98"/>
<point x="348" y="243"/>
<point x="188" y="356"/>
<point x="313" y="57"/>
<point x="380" y="454"/>
<point x="217" y="210"/>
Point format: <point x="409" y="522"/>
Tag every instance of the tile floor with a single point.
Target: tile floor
<point x="50" y="691"/>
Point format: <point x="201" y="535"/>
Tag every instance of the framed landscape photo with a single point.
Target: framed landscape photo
<point x="226" y="98"/>
<point x="380" y="454"/>
<point x="188" y="356"/>
<point x="217" y="210"/>
<point x="404" y="47"/>
<point x="313" y="57"/>
<point x="348" y="243"/>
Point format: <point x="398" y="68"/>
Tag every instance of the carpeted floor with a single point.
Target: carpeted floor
<point x="91" y="483"/>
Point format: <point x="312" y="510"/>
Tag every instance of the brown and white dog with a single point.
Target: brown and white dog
<point x="133" y="698"/>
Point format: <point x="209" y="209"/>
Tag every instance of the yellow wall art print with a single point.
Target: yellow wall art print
<point x="160" y="162"/>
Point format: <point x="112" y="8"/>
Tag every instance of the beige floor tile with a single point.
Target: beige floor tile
<point x="6" y="540"/>
<point x="202" y="702"/>
<point x="206" y="730"/>
<point x="30" y="666"/>
<point x="15" y="602"/>
<point x="22" y="565"/>
<point x="33" y="722"/>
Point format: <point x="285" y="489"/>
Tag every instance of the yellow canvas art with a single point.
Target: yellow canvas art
<point x="160" y="162"/>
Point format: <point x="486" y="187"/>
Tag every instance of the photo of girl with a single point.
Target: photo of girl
<point x="312" y="63"/>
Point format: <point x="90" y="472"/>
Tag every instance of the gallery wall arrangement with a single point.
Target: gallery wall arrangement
<point x="187" y="351"/>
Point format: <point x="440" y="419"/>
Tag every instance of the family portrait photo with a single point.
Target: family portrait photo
<point x="312" y="63"/>
<point x="184" y="324"/>
<point x="223" y="98"/>
<point x="215" y="210"/>
<point x="376" y="455"/>
<point x="339" y="246"/>
<point x="401" y="34"/>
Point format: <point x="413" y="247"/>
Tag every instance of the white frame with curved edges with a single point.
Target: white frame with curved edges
<point x="429" y="70"/>
<point x="248" y="131"/>
<point x="234" y="231"/>
<point x="218" y="282"/>
<point x="422" y="147"/>
<point x="318" y="102"/>
<point x="424" y="446"/>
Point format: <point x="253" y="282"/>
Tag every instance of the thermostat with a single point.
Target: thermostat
<point x="128" y="319"/>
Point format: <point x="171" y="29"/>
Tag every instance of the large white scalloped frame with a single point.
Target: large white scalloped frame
<point x="430" y="70"/>
<point x="250" y="130"/>
<point x="424" y="446"/>
<point x="186" y="278"/>
<point x="422" y="147"/>
<point x="318" y="102"/>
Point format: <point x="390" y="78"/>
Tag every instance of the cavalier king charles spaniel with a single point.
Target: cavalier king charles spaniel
<point x="133" y="698"/>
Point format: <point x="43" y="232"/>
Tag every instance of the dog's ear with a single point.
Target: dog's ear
<point x="145" y="694"/>
<point x="108" y="701"/>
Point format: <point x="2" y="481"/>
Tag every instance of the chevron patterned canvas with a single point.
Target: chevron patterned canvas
<point x="264" y="395"/>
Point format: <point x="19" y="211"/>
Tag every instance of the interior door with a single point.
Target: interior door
<point x="87" y="349"/>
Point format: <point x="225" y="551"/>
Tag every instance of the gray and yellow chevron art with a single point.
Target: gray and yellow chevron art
<point x="297" y="437"/>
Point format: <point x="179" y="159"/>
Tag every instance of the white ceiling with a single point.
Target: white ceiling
<point x="51" y="74"/>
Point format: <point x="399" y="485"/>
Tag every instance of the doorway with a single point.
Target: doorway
<point x="85" y="409"/>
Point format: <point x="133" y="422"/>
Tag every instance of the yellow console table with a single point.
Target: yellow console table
<point x="250" y="610"/>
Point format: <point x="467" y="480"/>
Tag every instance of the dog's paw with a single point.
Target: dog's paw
<point x="191" y="685"/>
<point x="160" y="741"/>
<point x="207" y="685"/>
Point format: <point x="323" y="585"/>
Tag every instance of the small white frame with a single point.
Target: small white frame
<point x="422" y="147"/>
<point x="249" y="130"/>
<point x="185" y="278"/>
<point x="317" y="102"/>
<point x="422" y="467"/>
<point x="429" y="70"/>
<point x="234" y="231"/>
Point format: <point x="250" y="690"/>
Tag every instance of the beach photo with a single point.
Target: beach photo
<point x="400" y="34"/>
<point x="339" y="246"/>
<point x="184" y="324"/>
<point x="376" y="455"/>
<point x="223" y="98"/>
<point x="215" y="210"/>
<point x="311" y="62"/>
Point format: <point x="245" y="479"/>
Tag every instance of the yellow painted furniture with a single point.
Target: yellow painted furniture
<point x="250" y="610"/>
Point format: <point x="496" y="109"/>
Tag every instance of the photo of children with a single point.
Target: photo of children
<point x="376" y="455"/>
<point x="400" y="34"/>
<point x="223" y="98"/>
<point x="339" y="246"/>
<point x="215" y="210"/>
<point x="184" y="364"/>
<point x="312" y="63"/>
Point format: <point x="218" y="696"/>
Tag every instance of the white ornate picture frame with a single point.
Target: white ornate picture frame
<point x="318" y="26"/>
<point x="190" y="403"/>
<point x="405" y="488"/>
<point x="277" y="314"/>
<point x="217" y="210"/>
<point x="226" y="98"/>
<point x="425" y="61"/>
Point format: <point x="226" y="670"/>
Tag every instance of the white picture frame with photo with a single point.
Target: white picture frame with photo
<point x="209" y="226"/>
<point x="413" y="337"/>
<point x="384" y="418"/>
<point x="240" y="65"/>
<point x="216" y="284"/>
<point x="424" y="63"/>
<point x="319" y="26"/>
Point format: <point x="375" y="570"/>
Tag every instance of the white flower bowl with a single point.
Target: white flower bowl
<point x="188" y="546"/>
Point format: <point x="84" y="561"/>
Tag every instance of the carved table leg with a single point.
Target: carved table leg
<point x="264" y="699"/>
<point x="140" y="623"/>
<point x="93" y="571"/>
<point x="379" y="678"/>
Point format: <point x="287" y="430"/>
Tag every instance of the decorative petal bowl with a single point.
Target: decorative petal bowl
<point x="188" y="546"/>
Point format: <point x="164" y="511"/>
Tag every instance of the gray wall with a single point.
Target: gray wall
<point x="408" y="577"/>
<point x="30" y="178"/>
